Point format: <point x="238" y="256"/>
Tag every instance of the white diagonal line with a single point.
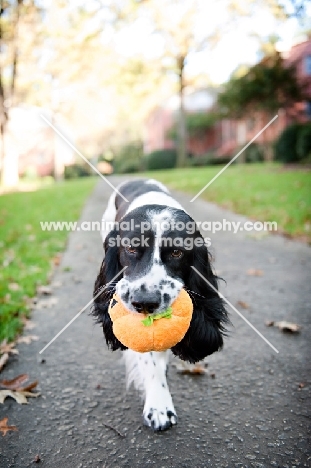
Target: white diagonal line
<point x="236" y="310"/>
<point x="82" y="310"/>
<point x="233" y="159"/>
<point x="81" y="155"/>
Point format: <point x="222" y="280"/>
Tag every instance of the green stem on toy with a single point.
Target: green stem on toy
<point x="148" y="321"/>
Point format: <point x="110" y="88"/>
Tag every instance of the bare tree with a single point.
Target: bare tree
<point x="9" y="22"/>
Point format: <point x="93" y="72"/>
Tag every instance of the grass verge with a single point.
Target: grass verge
<point x="27" y="251"/>
<point x="265" y="192"/>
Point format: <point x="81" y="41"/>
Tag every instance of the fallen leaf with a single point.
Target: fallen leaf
<point x="243" y="304"/>
<point x="27" y="339"/>
<point x="17" y="389"/>
<point x="17" y="383"/>
<point x="254" y="272"/>
<point x="46" y="290"/>
<point x="9" y="348"/>
<point x="192" y="369"/>
<point x="19" y="396"/>
<point x="183" y="367"/>
<point x="31" y="301"/>
<point x="269" y="323"/>
<point x="3" y="360"/>
<point x="37" y="459"/>
<point x="198" y="370"/>
<point x="301" y="385"/>
<point x="288" y="326"/>
<point x="57" y="259"/>
<point x="4" y="428"/>
<point x="47" y="303"/>
<point x="28" y="324"/>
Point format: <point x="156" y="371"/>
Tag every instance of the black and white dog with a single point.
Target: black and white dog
<point x="158" y="242"/>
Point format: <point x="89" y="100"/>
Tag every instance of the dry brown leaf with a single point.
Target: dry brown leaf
<point x="27" y="339"/>
<point x="28" y="324"/>
<point x="16" y="389"/>
<point x="15" y="383"/>
<point x="37" y="459"/>
<point x="3" y="360"/>
<point x="269" y="323"/>
<point x="190" y="369"/>
<point x="254" y="272"/>
<point x="243" y="304"/>
<point x="4" y="428"/>
<point x="9" y="348"/>
<point x="46" y="290"/>
<point x="47" y="303"/>
<point x="57" y="259"/>
<point x="19" y="396"/>
<point x="193" y="371"/>
<point x="288" y="326"/>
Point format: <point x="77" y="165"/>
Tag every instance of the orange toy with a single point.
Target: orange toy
<point x="151" y="332"/>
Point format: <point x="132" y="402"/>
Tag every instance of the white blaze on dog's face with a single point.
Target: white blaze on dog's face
<point x="155" y="267"/>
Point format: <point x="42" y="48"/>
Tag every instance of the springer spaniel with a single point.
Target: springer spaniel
<point x="158" y="242"/>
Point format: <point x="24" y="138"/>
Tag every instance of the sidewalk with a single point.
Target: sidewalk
<point x="252" y="414"/>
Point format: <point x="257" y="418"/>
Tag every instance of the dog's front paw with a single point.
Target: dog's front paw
<point x="160" y="419"/>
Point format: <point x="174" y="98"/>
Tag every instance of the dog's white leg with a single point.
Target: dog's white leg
<point x="148" y="373"/>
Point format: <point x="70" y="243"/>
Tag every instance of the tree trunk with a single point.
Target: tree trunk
<point x="9" y="155"/>
<point x="182" y="130"/>
<point x="9" y="173"/>
<point x="266" y="143"/>
<point x="59" y="166"/>
<point x="3" y="112"/>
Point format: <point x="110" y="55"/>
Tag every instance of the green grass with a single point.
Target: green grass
<point x="265" y="192"/>
<point x="26" y="252"/>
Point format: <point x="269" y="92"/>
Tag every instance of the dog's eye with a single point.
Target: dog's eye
<point x="176" y="253"/>
<point x="131" y="250"/>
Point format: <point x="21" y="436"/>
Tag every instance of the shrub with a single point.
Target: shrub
<point x="208" y="159"/>
<point x="286" y="145"/>
<point x="198" y="161"/>
<point x="77" y="170"/>
<point x="254" y="153"/>
<point x="197" y="123"/>
<point x="127" y="167"/>
<point x="162" y="159"/>
<point x="304" y="142"/>
<point x="129" y="159"/>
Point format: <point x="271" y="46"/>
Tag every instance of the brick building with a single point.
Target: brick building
<point x="227" y="135"/>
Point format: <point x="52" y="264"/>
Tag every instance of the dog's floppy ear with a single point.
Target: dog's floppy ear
<point x="205" y="334"/>
<point x="109" y="269"/>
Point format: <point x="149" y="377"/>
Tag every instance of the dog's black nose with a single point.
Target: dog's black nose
<point x="145" y="307"/>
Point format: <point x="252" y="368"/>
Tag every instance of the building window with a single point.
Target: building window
<point x="308" y="64"/>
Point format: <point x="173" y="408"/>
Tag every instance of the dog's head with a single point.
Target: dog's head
<point x="158" y="246"/>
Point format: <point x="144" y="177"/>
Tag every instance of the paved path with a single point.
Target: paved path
<point x="252" y="414"/>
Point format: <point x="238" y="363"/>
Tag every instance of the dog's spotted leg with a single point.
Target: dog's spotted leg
<point x="149" y="374"/>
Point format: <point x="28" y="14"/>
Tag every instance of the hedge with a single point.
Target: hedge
<point x="161" y="159"/>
